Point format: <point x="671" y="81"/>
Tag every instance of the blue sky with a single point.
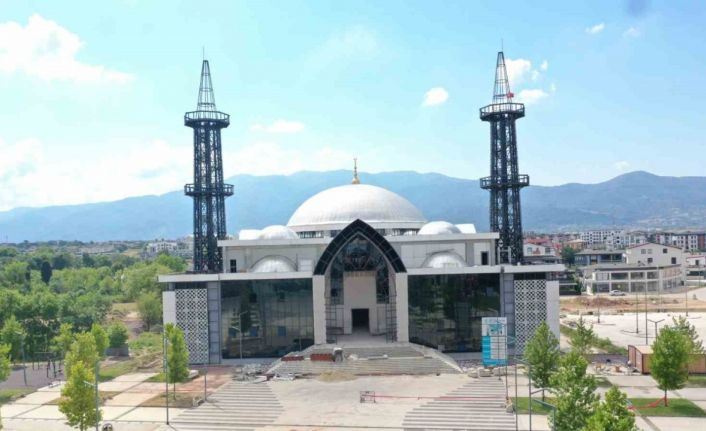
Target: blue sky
<point x="94" y="92"/>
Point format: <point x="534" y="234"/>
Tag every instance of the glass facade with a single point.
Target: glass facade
<point x="446" y="310"/>
<point x="274" y="317"/>
<point x="360" y="255"/>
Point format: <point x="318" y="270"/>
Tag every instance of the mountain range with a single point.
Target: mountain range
<point x="637" y="200"/>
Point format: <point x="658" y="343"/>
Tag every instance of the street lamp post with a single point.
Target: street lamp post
<point x="647" y="341"/>
<point x="637" y="310"/>
<point x="24" y="361"/>
<point x="656" y="322"/>
<point x="165" y="368"/>
<point x="95" y="386"/>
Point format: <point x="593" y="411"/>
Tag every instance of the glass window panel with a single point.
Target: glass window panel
<point x="269" y="317"/>
<point x="446" y="310"/>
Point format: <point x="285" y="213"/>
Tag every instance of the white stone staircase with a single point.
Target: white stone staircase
<point x="237" y="406"/>
<point x="477" y="405"/>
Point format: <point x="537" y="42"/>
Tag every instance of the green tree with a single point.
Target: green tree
<point x="612" y="414"/>
<point x="150" y="308"/>
<point x="686" y="328"/>
<point x="582" y="338"/>
<point x="175" y="263"/>
<point x="670" y="360"/>
<point x="62" y="342"/>
<point x="13" y="334"/>
<point x="78" y="397"/>
<point x="574" y="392"/>
<point x="177" y="356"/>
<point x="117" y="334"/>
<point x="568" y="255"/>
<point x="4" y="366"/>
<point x="46" y="271"/>
<point x="83" y="350"/>
<point x="4" y="362"/>
<point x="101" y="338"/>
<point x="542" y="354"/>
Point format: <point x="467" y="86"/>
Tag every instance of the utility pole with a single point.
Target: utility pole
<point x="96" y="391"/>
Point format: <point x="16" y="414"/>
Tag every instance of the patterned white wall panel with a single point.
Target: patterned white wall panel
<point x="530" y="309"/>
<point x="192" y="318"/>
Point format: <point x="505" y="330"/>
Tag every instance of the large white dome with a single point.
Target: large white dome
<point x="336" y="207"/>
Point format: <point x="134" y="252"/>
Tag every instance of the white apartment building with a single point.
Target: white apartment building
<point x="161" y="246"/>
<point x="612" y="239"/>
<point x="690" y="241"/>
<point x="655" y="267"/>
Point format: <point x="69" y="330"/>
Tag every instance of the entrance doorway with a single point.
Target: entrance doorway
<point x="361" y="319"/>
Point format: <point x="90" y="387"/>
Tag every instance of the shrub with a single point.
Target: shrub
<point x="117" y="335"/>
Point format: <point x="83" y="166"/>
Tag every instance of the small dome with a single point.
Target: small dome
<point x="444" y="259"/>
<point x="438" y="228"/>
<point x="339" y="206"/>
<point x="273" y="264"/>
<point x="466" y="228"/>
<point x="277" y="232"/>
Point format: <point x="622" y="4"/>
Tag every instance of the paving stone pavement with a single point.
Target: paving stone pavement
<point x="477" y="405"/>
<point x="400" y="358"/>
<point x="237" y="406"/>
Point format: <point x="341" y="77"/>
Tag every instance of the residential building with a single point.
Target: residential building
<point x="590" y="256"/>
<point x="689" y="241"/>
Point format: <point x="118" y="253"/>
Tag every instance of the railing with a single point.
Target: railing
<point x="192" y="190"/>
<point x="500" y="108"/>
<point x="206" y="116"/>
<point x="490" y="183"/>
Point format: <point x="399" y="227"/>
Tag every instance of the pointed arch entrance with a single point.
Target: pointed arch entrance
<point x="360" y="269"/>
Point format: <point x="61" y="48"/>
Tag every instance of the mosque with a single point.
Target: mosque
<point x="354" y="262"/>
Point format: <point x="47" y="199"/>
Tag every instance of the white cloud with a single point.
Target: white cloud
<point x="621" y="166"/>
<point x="631" y="32"/>
<point x="30" y="176"/>
<point x="269" y="158"/>
<point x="279" y="126"/>
<point x="595" y="29"/>
<point x="544" y="66"/>
<point x="46" y="50"/>
<point x="531" y="96"/>
<point x="517" y="69"/>
<point x="435" y="96"/>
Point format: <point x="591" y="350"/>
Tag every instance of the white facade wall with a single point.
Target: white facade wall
<point x="652" y="254"/>
<point x="553" y="307"/>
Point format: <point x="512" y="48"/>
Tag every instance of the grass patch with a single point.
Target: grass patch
<point x="183" y="400"/>
<point x="146" y="342"/>
<point x="696" y="381"/>
<point x="677" y="407"/>
<point x="602" y="344"/>
<point x="109" y="372"/>
<point x="537" y="408"/>
<point x="158" y="378"/>
<point x="7" y="395"/>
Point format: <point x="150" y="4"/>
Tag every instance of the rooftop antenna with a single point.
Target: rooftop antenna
<point x="355" y="180"/>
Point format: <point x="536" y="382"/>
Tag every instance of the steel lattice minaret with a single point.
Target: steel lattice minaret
<point x="504" y="181"/>
<point x="208" y="190"/>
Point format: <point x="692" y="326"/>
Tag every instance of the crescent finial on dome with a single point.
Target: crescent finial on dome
<point x="355" y="179"/>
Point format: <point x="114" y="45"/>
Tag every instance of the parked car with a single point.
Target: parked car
<point x="617" y="293"/>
